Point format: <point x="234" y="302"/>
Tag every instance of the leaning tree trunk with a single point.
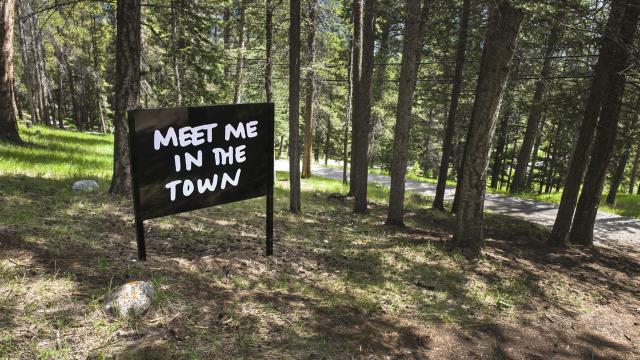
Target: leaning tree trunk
<point x="616" y="177"/>
<point x="294" y="106"/>
<point x="414" y="34"/>
<point x="535" y="113"/>
<point x="610" y="64"/>
<point x="8" y="126"/>
<point x="237" y="90"/>
<point x="503" y="141"/>
<point x="361" y="122"/>
<point x="450" y="127"/>
<point x="308" y="108"/>
<point x="500" y="42"/>
<point x="587" y="209"/>
<point x="127" y="89"/>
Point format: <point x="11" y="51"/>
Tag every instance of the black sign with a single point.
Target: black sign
<point x="190" y="158"/>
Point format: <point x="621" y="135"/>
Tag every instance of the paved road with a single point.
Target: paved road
<point x="608" y="226"/>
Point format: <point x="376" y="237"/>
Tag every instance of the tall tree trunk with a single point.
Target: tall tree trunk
<point x="27" y="63"/>
<point x="610" y="63"/>
<point x="175" y="52"/>
<point x="43" y="82"/>
<point x="356" y="54"/>
<point x="308" y="108"/>
<point x="534" y="155"/>
<point x="294" y="106"/>
<point x="60" y="103"/>
<point x="378" y="85"/>
<point x="634" y="169"/>
<point x="8" y="125"/>
<point x="226" y="39"/>
<point x="450" y="127"/>
<point x="498" y="156"/>
<point x="127" y="89"/>
<point x="327" y="142"/>
<point x="347" y="116"/>
<point x="96" y="79"/>
<point x="16" y="105"/>
<point x="587" y="209"/>
<point x="500" y="43"/>
<point x="280" y="146"/>
<point x="362" y="119"/>
<point x="536" y="111"/>
<point x="75" y="105"/>
<point x="268" y="51"/>
<point x="237" y="90"/>
<point x="414" y="34"/>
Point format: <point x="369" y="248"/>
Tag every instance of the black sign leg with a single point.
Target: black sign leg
<point x="142" y="251"/>
<point x="270" y="221"/>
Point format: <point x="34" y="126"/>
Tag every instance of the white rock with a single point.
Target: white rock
<point x="85" y="185"/>
<point x="133" y="298"/>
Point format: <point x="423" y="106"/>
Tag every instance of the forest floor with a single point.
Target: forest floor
<point x="338" y="287"/>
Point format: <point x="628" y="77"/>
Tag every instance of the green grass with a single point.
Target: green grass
<point x="58" y="154"/>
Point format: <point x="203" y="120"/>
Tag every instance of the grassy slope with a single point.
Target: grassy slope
<point x="339" y="285"/>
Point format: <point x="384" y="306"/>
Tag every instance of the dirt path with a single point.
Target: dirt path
<point x="608" y="226"/>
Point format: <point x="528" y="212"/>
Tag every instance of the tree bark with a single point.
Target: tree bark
<point x="362" y="119"/>
<point x="587" y="209"/>
<point x="27" y="63"/>
<point x="43" y="82"/>
<point x="237" y="90"/>
<point x="500" y="43"/>
<point x="450" y="127"/>
<point x="616" y="177"/>
<point x="534" y="155"/>
<point x="347" y="116"/>
<point x="127" y="89"/>
<point x="414" y="34"/>
<point x="610" y="64"/>
<point x="536" y="111"/>
<point x="268" y="51"/>
<point x="356" y="55"/>
<point x="308" y="108"/>
<point x="498" y="157"/>
<point x="327" y="142"/>
<point x="226" y="38"/>
<point x="8" y="125"/>
<point x="294" y="106"/>
<point x="175" y="52"/>
<point x="375" y="128"/>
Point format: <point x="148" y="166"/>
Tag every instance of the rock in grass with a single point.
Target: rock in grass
<point x="85" y="185"/>
<point x="130" y="299"/>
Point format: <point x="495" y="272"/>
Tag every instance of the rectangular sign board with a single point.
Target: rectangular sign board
<point x="190" y="158"/>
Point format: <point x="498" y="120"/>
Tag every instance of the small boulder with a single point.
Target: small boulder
<point x="133" y="298"/>
<point x="85" y="185"/>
